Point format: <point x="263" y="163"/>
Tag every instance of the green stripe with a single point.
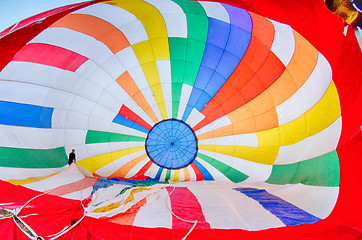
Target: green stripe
<point x="102" y="137"/>
<point x="168" y="175"/>
<point x="33" y="158"/>
<point x="186" y="53"/>
<point x="231" y="173"/>
<point x="319" y="171"/>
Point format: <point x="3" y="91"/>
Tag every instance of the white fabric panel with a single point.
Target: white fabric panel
<point x="175" y="19"/>
<point x="116" y="128"/>
<point x="110" y="168"/>
<point x="321" y="143"/>
<point x="79" y="195"/>
<point x="55" y="98"/>
<point x="195" y="117"/>
<point x="92" y="72"/>
<point x="316" y="200"/>
<point x="70" y="175"/>
<point x="215" y="10"/>
<point x="159" y="211"/>
<point x="74" y="41"/>
<point x="73" y="137"/>
<point x="218" y="123"/>
<point x="226" y="208"/>
<point x="90" y="91"/>
<point x="152" y="171"/>
<point x="23" y="93"/>
<point x="284" y="43"/>
<point x="113" y="66"/>
<point x="128" y="58"/>
<point x="181" y="175"/>
<point x="136" y="168"/>
<point x="71" y="120"/>
<point x="7" y="173"/>
<point x="134" y="32"/>
<point x="257" y="172"/>
<point x="216" y="174"/>
<point x="185" y="95"/>
<point x="309" y="93"/>
<point x="192" y="173"/>
<point x="107" y="107"/>
<point x="23" y="137"/>
<point x="81" y="105"/>
<point x="172" y="175"/>
<point x="248" y="139"/>
<point x="164" y="71"/>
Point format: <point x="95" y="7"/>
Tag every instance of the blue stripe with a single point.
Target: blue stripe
<point x="25" y="115"/>
<point x="206" y="174"/>
<point x="226" y="45"/>
<point x="158" y="175"/>
<point x="288" y="213"/>
<point x="119" y="119"/>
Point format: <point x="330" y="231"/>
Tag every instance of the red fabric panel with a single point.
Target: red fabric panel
<point x="12" y="43"/>
<point x="128" y="113"/>
<point x="185" y="205"/>
<point x="199" y="176"/>
<point x="50" y="55"/>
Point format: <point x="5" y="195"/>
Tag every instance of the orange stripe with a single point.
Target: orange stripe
<point x="97" y="28"/>
<point x="187" y="174"/>
<point x="127" y="217"/>
<point x="122" y="172"/>
<point x="127" y="83"/>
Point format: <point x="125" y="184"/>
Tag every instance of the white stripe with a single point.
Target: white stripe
<point x="79" y="195"/>
<point x="164" y="70"/>
<point x="308" y="94"/>
<point x="248" y="139"/>
<point x="185" y="95"/>
<point x="218" y="123"/>
<point x="23" y="137"/>
<point x="112" y="167"/>
<point x="316" y="200"/>
<point x="319" y="144"/>
<point x="76" y="42"/>
<point x="192" y="173"/>
<point x="257" y="172"/>
<point x="195" y="117"/>
<point x="215" y="10"/>
<point x="96" y="149"/>
<point x="7" y="173"/>
<point x="284" y="43"/>
<point x="161" y="215"/>
<point x="230" y="209"/>
<point x="174" y="17"/>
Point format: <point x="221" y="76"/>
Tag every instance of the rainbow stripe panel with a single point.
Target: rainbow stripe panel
<point x="172" y="90"/>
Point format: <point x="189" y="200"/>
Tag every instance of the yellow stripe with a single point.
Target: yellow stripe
<point x="29" y="180"/>
<point x="177" y="175"/>
<point x="97" y="162"/>
<point x="156" y="48"/>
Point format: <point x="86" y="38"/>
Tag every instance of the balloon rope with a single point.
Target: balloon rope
<point x="65" y="230"/>
<point x="189" y="221"/>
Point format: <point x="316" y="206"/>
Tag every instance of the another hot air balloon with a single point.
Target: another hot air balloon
<point x="189" y="119"/>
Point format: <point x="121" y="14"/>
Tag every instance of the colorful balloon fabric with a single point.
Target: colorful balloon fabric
<point x="186" y="116"/>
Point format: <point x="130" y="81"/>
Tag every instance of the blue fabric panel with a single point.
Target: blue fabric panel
<point x="203" y="77"/>
<point x="206" y="174"/>
<point x="195" y="94"/>
<point x="211" y="57"/>
<point x="239" y="17"/>
<point x="25" y="115"/>
<point x="238" y="42"/>
<point x="227" y="65"/>
<point x="119" y="119"/>
<point x="158" y="175"/>
<point x="219" y="34"/>
<point x="288" y="213"/>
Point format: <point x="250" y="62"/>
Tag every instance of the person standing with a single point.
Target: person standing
<point x="72" y="157"/>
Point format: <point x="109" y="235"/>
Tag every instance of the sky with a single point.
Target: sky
<point x="13" y="11"/>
